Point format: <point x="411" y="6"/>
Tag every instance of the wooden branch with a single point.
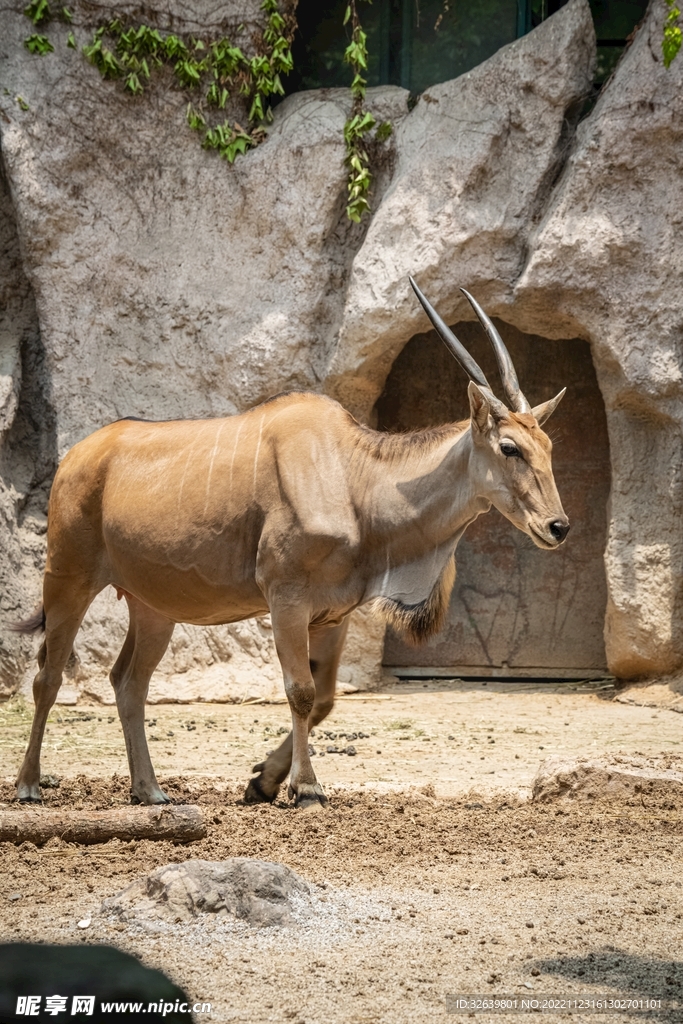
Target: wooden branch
<point x="182" y="823"/>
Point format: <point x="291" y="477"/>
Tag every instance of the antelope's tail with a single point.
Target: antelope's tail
<point x="33" y="624"/>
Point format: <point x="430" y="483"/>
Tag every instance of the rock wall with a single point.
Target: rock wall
<point x="606" y="260"/>
<point x="143" y="276"/>
<point x="167" y="284"/>
<point x="563" y="234"/>
<point x="27" y="448"/>
<point x="476" y="161"/>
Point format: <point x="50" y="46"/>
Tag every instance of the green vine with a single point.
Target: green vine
<point x="361" y="121"/>
<point x="673" y="36"/>
<point x="212" y="71"/>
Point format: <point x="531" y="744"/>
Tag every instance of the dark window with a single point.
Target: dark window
<point x="417" y="43"/>
<point x="614" y="22"/>
<point x="413" y="44"/>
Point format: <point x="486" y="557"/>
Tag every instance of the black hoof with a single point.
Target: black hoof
<point x="30" y="800"/>
<point x="309" y="798"/>
<point x="254" y="794"/>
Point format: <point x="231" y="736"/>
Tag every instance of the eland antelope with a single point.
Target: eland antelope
<point x="292" y="508"/>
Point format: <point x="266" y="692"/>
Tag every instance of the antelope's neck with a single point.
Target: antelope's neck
<point x="425" y="500"/>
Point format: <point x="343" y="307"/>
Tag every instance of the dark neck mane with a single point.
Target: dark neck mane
<point x="419" y="622"/>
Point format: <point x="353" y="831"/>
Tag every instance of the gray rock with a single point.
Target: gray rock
<point x="164" y="280"/>
<point x="27" y="454"/>
<point x="258" y="892"/>
<point x="145" y="277"/>
<point x="475" y="161"/>
<point x="605" y="265"/>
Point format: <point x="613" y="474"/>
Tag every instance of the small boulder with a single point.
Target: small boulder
<point x="256" y="891"/>
<point x="630" y="780"/>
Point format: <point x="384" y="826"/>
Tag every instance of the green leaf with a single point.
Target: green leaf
<point x="40" y="45"/>
<point x="384" y="130"/>
<point x="175" y="48"/>
<point x="67" y="15"/>
<point x="22" y="103"/>
<point x="37" y="11"/>
<point x="102" y="58"/>
<point x="673" y="37"/>
<point x="194" y="118"/>
<point x="671" y="44"/>
<point x="188" y="72"/>
<point x="133" y="84"/>
<point x="366" y="123"/>
<point x="347" y="15"/>
<point x="256" y="112"/>
<point x="70" y="41"/>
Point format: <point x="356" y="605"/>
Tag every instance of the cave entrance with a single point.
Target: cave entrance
<point x="516" y="611"/>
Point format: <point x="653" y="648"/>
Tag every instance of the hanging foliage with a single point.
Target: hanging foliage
<point x="361" y="121"/>
<point x="211" y="71"/>
<point x="673" y="36"/>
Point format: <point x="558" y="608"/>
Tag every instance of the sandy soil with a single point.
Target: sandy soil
<point x="430" y="873"/>
<point x="457" y="737"/>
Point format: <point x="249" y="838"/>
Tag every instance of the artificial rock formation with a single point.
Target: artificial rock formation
<point x="564" y="238"/>
<point x="475" y="162"/>
<point x="258" y="892"/>
<point x="605" y="265"/>
<point x="143" y="276"/>
<point x="169" y="285"/>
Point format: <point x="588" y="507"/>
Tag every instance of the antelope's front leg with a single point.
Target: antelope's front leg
<point x="290" y="631"/>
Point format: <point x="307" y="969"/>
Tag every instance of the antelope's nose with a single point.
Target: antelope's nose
<point x="559" y="528"/>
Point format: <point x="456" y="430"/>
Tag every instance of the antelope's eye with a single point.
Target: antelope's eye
<point x="510" y="450"/>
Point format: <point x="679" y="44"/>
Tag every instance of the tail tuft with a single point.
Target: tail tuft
<point x="34" y="624"/>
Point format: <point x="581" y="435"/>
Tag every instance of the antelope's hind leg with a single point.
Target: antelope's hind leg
<point x="148" y="637"/>
<point x="65" y="602"/>
<point x="325" y="647"/>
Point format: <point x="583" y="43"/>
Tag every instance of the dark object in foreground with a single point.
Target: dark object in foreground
<point x="110" y="976"/>
<point x="181" y="824"/>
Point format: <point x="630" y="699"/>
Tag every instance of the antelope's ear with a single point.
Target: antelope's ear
<point x="546" y="409"/>
<point x="485" y="408"/>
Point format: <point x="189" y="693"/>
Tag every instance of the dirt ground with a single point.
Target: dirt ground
<point x="431" y="873"/>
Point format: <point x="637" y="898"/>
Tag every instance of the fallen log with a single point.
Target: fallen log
<point x="181" y="824"/>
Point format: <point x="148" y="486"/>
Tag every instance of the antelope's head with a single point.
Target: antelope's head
<point x="512" y="468"/>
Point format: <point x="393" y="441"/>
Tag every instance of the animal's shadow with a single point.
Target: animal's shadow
<point x="628" y="975"/>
